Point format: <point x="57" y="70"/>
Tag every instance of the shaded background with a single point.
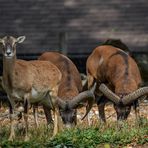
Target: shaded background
<point x="76" y="27"/>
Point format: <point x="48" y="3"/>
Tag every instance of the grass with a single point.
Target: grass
<point x="80" y="137"/>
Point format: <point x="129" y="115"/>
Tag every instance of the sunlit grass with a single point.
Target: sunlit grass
<point x="81" y="137"/>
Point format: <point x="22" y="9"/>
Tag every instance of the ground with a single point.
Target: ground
<point x="93" y="116"/>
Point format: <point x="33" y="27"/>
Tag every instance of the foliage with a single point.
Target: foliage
<point x="80" y="137"/>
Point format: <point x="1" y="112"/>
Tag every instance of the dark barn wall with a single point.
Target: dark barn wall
<point x="86" y="23"/>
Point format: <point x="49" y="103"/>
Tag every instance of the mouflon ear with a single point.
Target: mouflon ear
<point x="20" y="39"/>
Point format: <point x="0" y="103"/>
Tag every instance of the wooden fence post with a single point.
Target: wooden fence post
<point x="63" y="42"/>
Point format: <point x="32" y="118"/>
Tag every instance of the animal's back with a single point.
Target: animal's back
<point x="99" y="57"/>
<point x="38" y="74"/>
<point x="70" y="75"/>
<point x="111" y="64"/>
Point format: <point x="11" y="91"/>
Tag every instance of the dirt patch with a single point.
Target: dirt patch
<point x="92" y="118"/>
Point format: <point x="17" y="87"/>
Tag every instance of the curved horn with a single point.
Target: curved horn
<point x="83" y="97"/>
<point x="109" y="94"/>
<point x="135" y="95"/>
<point x="93" y="88"/>
<point x="61" y="103"/>
<point x="84" y="79"/>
